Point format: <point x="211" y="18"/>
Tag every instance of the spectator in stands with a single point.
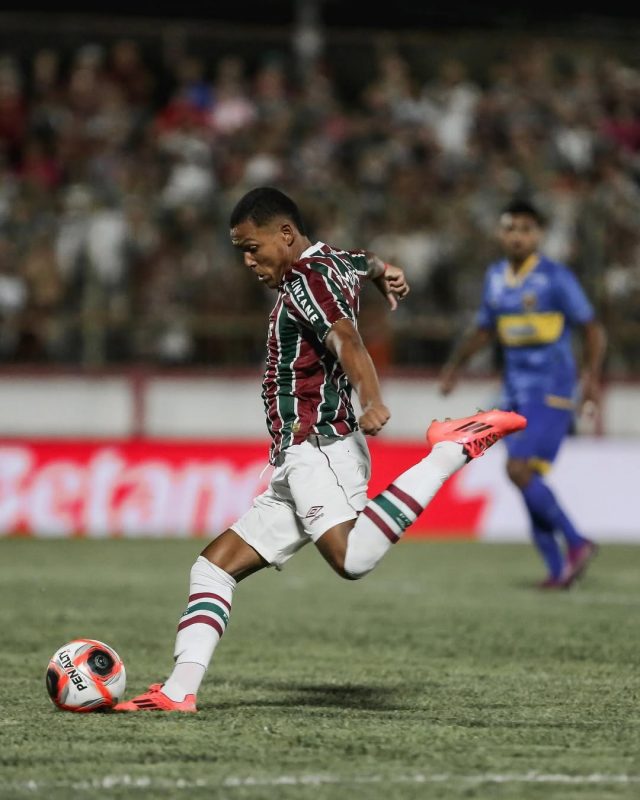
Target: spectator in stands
<point x="184" y="141"/>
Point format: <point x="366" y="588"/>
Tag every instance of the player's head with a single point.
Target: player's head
<point x="267" y="227"/>
<point x="521" y="229"/>
<point x="264" y="204"/>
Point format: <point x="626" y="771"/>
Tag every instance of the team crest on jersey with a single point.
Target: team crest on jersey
<point x="529" y="301"/>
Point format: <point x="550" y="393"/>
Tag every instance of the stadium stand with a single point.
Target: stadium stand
<point x="121" y="155"/>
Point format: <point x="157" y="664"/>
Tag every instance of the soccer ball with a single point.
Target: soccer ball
<point x="85" y="675"/>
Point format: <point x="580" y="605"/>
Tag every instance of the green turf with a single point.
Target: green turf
<point x="441" y="675"/>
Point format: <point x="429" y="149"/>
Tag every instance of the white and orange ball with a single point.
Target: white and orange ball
<point x="86" y="675"/>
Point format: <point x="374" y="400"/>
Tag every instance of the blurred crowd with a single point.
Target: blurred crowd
<point x="118" y="169"/>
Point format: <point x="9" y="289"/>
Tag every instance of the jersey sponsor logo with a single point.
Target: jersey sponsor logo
<point x="300" y="295"/>
<point x="541" y="327"/>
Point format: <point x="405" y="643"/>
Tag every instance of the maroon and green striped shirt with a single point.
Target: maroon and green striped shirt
<point x="304" y="388"/>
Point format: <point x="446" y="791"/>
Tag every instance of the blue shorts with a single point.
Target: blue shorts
<point x="540" y="441"/>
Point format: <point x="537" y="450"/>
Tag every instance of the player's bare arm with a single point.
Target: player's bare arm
<point x="346" y="344"/>
<point x="475" y="341"/>
<point x="595" y="343"/>
<point x="388" y="279"/>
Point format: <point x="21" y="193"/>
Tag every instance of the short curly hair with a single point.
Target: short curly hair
<point x="263" y="204"/>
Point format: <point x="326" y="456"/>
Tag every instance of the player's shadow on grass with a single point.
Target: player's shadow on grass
<point x="327" y="695"/>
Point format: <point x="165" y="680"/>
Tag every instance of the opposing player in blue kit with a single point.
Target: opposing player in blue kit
<point x="532" y="305"/>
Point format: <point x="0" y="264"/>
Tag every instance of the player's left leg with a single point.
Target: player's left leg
<point x="267" y="534"/>
<point x="213" y="578"/>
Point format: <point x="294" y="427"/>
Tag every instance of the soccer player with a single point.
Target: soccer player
<point x="318" y="490"/>
<point x="532" y="306"/>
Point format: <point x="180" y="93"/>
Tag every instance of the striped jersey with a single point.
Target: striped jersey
<point x="305" y="390"/>
<point x="533" y="313"/>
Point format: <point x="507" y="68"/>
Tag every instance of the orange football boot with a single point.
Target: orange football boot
<point x="155" y="700"/>
<point x="478" y="432"/>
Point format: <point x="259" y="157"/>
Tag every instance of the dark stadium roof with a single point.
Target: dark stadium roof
<point x="399" y="14"/>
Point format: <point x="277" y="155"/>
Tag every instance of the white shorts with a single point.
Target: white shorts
<point x="315" y="485"/>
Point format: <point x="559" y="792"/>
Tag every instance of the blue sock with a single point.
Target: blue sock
<point x="547" y="546"/>
<point x="544" y="508"/>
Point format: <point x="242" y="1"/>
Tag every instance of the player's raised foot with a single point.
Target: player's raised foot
<point x="154" y="699"/>
<point x="478" y="432"/>
<point x="578" y="559"/>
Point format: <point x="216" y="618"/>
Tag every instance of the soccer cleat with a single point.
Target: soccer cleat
<point x="155" y="700"/>
<point x="552" y="583"/>
<point x="478" y="432"/>
<point x="578" y="559"/>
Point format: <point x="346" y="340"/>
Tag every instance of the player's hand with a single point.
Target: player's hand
<point x="590" y="396"/>
<point x="373" y="418"/>
<point x="393" y="285"/>
<point x="448" y="380"/>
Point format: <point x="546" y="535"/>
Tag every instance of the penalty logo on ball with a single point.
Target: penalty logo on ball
<point x="85" y="675"/>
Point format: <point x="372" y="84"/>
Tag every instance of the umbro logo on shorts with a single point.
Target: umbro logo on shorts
<point x="313" y="512"/>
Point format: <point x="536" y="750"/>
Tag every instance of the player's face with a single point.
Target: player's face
<point x="266" y="248"/>
<point x="519" y="235"/>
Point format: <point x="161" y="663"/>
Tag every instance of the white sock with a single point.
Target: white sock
<point x="185" y="679"/>
<point x="200" y="628"/>
<point x="386" y="517"/>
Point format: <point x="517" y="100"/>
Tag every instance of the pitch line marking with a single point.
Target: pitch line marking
<point x="144" y="782"/>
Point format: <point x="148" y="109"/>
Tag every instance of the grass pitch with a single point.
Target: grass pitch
<point x="441" y="675"/>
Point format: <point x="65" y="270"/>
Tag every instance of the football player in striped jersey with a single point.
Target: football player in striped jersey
<point x="321" y="467"/>
<point x="532" y="305"/>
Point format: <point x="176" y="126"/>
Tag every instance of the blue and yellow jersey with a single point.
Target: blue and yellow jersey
<point x="532" y="314"/>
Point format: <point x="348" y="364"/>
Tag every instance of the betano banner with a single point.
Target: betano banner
<point x="165" y="488"/>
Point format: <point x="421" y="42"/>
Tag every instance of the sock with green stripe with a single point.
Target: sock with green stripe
<point x="386" y="517"/>
<point x="200" y="628"/>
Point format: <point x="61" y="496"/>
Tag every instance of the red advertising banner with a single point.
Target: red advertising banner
<point x="167" y="488"/>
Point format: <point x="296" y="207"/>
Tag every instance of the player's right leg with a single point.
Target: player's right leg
<point x="355" y="546"/>
<point x="478" y="432"/>
<point x="543" y="534"/>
